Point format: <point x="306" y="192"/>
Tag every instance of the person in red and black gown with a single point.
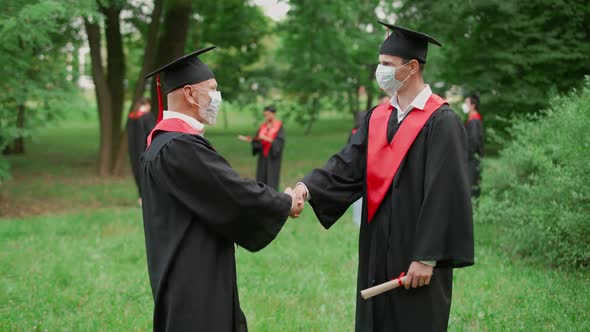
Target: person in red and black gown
<point x="197" y="209"/>
<point x="474" y="127"/>
<point x="408" y="161"/>
<point x="268" y="144"/>
<point x="139" y="125"/>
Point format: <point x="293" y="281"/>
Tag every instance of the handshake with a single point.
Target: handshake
<point x="298" y="198"/>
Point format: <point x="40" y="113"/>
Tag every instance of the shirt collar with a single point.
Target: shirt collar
<point x="419" y="102"/>
<point x="198" y="126"/>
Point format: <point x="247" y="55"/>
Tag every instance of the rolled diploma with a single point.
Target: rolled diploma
<point x="382" y="288"/>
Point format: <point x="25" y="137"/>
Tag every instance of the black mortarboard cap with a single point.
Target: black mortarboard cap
<point x="406" y="43"/>
<point x="183" y="71"/>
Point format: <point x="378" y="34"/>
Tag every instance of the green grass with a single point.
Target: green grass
<point x="81" y="267"/>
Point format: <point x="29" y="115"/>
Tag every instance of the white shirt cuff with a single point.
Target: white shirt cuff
<point x="308" y="195"/>
<point x="430" y="263"/>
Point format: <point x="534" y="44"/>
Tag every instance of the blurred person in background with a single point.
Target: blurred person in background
<point x="268" y="144"/>
<point x="474" y="128"/>
<point x="139" y="125"/>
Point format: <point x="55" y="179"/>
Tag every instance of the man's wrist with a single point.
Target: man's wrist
<point x="429" y="263"/>
<point x="307" y="194"/>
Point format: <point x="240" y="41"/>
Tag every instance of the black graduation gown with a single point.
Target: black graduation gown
<point x="137" y="133"/>
<point x="425" y="216"/>
<point x="475" y="135"/>
<point x="268" y="169"/>
<point x="195" y="208"/>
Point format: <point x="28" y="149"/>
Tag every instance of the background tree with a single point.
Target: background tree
<point x="516" y="54"/>
<point x="331" y="48"/>
<point x="37" y="67"/>
<point x="175" y="27"/>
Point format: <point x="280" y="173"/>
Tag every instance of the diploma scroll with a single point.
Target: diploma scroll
<point x="382" y="288"/>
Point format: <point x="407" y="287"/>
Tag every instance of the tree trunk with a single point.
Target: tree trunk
<point x="115" y="73"/>
<point x="148" y="64"/>
<point x="349" y="93"/>
<point x="172" y="40"/>
<point x="369" y="90"/>
<point x="103" y="98"/>
<point x="314" y="115"/>
<point x="18" y="146"/>
<point x="225" y="120"/>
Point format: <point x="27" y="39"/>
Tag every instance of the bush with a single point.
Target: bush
<point x="539" y="187"/>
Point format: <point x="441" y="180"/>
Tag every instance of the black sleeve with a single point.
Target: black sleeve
<point x="244" y="211"/>
<point x="340" y="182"/>
<point x="277" y="145"/>
<point x="474" y="137"/>
<point x="256" y="145"/>
<point x="444" y="231"/>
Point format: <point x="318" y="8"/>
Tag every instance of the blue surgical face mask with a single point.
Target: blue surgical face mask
<point x="385" y="76"/>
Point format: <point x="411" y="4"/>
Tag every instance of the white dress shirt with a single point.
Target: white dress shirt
<point x="419" y="102"/>
<point x="198" y="126"/>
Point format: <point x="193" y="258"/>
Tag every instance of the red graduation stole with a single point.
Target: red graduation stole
<point x="383" y="158"/>
<point x="137" y="114"/>
<point x="172" y="124"/>
<point x="271" y="132"/>
<point x="474" y="116"/>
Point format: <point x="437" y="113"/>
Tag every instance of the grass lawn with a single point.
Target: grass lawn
<point x="72" y="253"/>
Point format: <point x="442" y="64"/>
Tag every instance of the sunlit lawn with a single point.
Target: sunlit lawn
<point x="72" y="253"/>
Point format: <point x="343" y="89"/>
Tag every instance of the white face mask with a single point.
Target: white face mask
<point x="210" y="112"/>
<point x="465" y="108"/>
<point x="385" y="76"/>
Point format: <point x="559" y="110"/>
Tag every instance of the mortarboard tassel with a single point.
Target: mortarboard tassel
<point x="159" y="91"/>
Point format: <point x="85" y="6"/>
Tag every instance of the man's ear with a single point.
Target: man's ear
<point x="415" y="66"/>
<point x="187" y="91"/>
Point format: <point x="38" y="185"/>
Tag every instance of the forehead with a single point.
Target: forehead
<point x="391" y="59"/>
<point x="208" y="84"/>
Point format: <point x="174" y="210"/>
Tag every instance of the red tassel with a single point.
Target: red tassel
<point x="160" y="106"/>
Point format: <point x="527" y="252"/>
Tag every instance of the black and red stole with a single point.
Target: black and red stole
<point x="137" y="114"/>
<point x="384" y="158"/>
<point x="271" y="131"/>
<point x="474" y="116"/>
<point x="172" y="124"/>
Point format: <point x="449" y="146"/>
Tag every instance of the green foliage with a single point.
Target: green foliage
<point x="331" y="49"/>
<point x="515" y="53"/>
<point x="237" y="28"/>
<point x="36" y="43"/>
<point x="539" y="188"/>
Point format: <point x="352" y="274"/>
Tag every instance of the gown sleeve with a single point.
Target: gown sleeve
<point x="256" y="145"/>
<point x="340" y="182"/>
<point x="243" y="211"/>
<point x="473" y="135"/>
<point x="277" y="145"/>
<point x="444" y="230"/>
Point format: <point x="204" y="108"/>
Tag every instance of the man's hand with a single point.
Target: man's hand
<point x="419" y="274"/>
<point x="301" y="192"/>
<point x="245" y="138"/>
<point x="297" y="203"/>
